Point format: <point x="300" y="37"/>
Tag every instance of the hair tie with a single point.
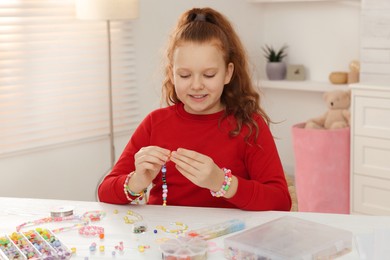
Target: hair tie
<point x="200" y="17"/>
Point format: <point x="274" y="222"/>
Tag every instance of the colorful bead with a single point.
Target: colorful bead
<point x="121" y="247"/>
<point x="92" y="247"/>
<point x="139" y="228"/>
<point x="164" y="185"/>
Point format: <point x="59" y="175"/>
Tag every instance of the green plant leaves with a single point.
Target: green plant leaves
<point x="272" y="55"/>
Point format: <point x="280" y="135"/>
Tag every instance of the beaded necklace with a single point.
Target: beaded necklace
<point x="164" y="185"/>
<point x="83" y="220"/>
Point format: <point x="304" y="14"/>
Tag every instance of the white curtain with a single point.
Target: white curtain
<point x="54" y="76"/>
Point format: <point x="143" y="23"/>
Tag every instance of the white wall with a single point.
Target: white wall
<point x="375" y="42"/>
<point x="72" y="172"/>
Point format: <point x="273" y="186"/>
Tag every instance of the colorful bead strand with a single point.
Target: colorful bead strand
<point x="164" y="185"/>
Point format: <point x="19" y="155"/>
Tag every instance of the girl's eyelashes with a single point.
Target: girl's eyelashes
<point x="205" y="75"/>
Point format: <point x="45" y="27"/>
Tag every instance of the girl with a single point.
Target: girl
<point x="211" y="146"/>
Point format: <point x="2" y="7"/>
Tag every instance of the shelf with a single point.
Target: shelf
<point x="347" y="2"/>
<point x="306" y="85"/>
<point x="292" y="1"/>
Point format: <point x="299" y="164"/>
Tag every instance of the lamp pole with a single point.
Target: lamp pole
<point x="110" y="98"/>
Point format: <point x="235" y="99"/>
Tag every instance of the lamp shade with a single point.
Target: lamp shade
<point x="106" y="9"/>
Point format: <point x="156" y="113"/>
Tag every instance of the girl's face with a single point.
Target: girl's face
<point x="199" y="76"/>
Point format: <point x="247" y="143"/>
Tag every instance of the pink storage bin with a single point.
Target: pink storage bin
<point x="322" y="164"/>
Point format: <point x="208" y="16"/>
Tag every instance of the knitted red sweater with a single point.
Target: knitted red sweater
<point x="261" y="181"/>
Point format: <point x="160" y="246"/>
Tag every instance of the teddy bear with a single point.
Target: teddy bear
<point x="338" y="114"/>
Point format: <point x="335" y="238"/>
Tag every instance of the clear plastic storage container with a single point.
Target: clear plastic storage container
<point x="289" y="238"/>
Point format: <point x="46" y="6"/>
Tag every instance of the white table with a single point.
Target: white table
<point x="15" y="211"/>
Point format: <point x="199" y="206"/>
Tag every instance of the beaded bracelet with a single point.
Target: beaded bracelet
<point x="94" y="215"/>
<point x="128" y="192"/>
<point x="130" y="213"/>
<point x="91" y="231"/>
<point x="225" y="185"/>
<point x="181" y="228"/>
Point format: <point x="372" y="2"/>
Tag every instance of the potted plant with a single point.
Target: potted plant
<point x="276" y="68"/>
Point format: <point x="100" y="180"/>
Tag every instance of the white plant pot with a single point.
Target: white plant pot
<point x="276" y="70"/>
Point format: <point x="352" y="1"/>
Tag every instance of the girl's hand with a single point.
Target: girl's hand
<point x="198" y="168"/>
<point x="148" y="162"/>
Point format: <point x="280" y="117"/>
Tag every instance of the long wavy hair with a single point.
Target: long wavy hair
<point x="239" y="97"/>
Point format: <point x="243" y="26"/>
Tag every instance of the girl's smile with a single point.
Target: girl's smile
<point x="200" y="75"/>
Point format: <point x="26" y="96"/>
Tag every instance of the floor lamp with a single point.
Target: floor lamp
<point x="108" y="10"/>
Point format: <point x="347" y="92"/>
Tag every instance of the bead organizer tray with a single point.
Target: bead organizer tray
<point x="189" y="248"/>
<point x="33" y="244"/>
<point x="289" y="238"/>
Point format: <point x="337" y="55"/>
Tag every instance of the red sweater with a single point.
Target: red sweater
<point x="261" y="181"/>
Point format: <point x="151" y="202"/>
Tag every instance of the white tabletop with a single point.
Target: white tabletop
<point x="15" y="211"/>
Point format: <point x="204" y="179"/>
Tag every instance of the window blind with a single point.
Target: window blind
<point x="54" y="76"/>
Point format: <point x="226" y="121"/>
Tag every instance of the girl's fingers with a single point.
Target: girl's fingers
<point x="184" y="163"/>
<point x="185" y="153"/>
<point x="153" y="154"/>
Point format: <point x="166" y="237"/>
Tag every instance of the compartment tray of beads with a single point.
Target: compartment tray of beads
<point x="189" y="248"/>
<point x="33" y="244"/>
<point x="62" y="251"/>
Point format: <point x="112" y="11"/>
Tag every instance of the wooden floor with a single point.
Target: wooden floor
<point x="293" y="194"/>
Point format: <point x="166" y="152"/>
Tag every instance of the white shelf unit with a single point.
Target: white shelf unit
<point x="306" y="85"/>
<point x="355" y="3"/>
<point x="297" y="1"/>
<point x="370" y="150"/>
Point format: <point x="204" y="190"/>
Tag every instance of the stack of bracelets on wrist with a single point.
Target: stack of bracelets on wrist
<point x="225" y="185"/>
<point x="128" y="192"/>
